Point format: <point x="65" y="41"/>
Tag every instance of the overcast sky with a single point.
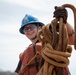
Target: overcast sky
<point x="11" y="14"/>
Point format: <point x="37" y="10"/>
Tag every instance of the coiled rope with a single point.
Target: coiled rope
<point x="55" y="50"/>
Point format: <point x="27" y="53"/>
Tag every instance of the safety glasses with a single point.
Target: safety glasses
<point x="31" y="27"/>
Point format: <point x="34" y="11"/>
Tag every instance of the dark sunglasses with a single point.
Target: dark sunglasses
<point x="31" y="27"/>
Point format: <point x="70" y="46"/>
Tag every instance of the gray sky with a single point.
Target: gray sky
<point x="11" y="14"/>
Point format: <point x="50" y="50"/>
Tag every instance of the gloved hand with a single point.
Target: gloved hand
<point x="61" y="12"/>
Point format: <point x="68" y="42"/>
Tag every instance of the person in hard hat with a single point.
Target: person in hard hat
<point x="30" y="27"/>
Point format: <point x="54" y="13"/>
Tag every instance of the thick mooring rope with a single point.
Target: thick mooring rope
<point x="55" y="50"/>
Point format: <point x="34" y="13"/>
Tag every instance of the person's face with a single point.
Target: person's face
<point x="30" y="31"/>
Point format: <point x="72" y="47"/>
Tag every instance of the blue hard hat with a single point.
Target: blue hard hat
<point x="29" y="19"/>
